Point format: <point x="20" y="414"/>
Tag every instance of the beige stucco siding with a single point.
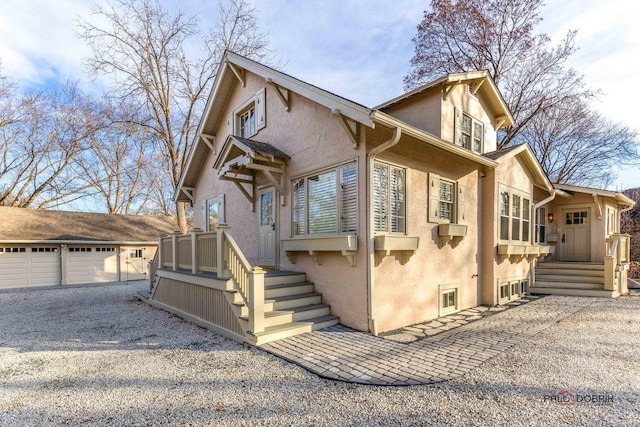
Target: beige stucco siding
<point x="315" y="141"/>
<point x="472" y="105"/>
<point x="513" y="176"/>
<point x="409" y="293"/>
<point x="422" y="111"/>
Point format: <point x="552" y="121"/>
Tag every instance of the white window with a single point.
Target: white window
<point x="541" y="225"/>
<point x="326" y="202"/>
<point x="446" y="200"/>
<point x="247" y="122"/>
<point x="514" y="216"/>
<point x="512" y="289"/>
<point x="448" y="299"/>
<point x="470" y="132"/>
<point x="214" y="212"/>
<point x="389" y="199"/>
<point x="248" y="118"/>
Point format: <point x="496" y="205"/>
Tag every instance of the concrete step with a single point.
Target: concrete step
<point x="284" y="289"/>
<point x="296" y="314"/>
<point x="573" y="292"/>
<point x="571" y="272"/>
<point x="282" y="277"/>
<point x="570" y="265"/>
<point x="567" y="285"/>
<point x="273" y="333"/>
<point x="290" y="301"/>
<point x="569" y="278"/>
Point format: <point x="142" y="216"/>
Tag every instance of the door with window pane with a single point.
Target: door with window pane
<point x="576" y="235"/>
<point x="267" y="227"/>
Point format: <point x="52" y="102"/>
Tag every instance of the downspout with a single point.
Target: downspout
<point x="534" y="209"/>
<point x="627" y="209"/>
<point x="532" y="229"/>
<point x="395" y="138"/>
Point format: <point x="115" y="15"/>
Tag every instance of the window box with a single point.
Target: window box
<point x="384" y="244"/>
<point x="547" y="250"/>
<point x="449" y="231"/>
<point x="510" y="250"/>
<point x="315" y="246"/>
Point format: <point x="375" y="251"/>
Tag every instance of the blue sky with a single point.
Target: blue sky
<point x="356" y="48"/>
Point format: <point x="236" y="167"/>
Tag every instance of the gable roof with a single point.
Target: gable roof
<point x="620" y="197"/>
<point x="22" y="224"/>
<point x="487" y="88"/>
<point x="223" y="86"/>
<point x="526" y="154"/>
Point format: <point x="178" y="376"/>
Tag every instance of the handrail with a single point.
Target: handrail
<point x="153" y="268"/>
<point x="247" y="280"/>
<point x="217" y="251"/>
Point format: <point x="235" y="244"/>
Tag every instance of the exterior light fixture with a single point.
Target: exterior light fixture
<point x="550" y="218"/>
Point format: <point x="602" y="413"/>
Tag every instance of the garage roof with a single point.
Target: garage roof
<point x="21" y="224"/>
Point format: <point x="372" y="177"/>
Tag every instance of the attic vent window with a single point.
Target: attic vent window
<point x="470" y="89"/>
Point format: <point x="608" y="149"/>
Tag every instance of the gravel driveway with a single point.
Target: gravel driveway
<point x="98" y="356"/>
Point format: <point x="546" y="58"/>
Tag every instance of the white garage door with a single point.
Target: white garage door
<point x="24" y="266"/>
<point x="91" y="264"/>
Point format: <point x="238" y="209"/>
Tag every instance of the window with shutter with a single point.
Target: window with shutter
<point x="389" y="198"/>
<point x="249" y="118"/>
<point x="446" y="200"/>
<point x="326" y="202"/>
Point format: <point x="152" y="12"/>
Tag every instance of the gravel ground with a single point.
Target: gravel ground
<point x="98" y="356"/>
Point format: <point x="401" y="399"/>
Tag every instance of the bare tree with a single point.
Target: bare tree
<point x="145" y="49"/>
<point x="46" y="131"/>
<point x="499" y="35"/>
<point x="117" y="159"/>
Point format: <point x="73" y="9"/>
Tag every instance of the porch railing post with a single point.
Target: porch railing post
<point x="174" y="250"/>
<point x="159" y="252"/>
<point x="256" y="300"/>
<point x="221" y="257"/>
<point x="194" y="250"/>
<point x="609" y="273"/>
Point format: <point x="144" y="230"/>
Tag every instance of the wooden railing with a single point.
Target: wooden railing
<point x="153" y="267"/>
<point x="616" y="261"/>
<point x="217" y="252"/>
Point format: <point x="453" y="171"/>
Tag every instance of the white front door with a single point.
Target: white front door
<point x="576" y="235"/>
<point x="267" y="227"/>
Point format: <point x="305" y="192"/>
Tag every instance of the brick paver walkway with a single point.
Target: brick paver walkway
<point x="341" y="353"/>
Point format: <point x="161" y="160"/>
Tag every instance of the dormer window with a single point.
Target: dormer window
<point x="470" y="132"/>
<point x="248" y="118"/>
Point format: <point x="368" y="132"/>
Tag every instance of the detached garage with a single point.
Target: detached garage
<point x="44" y="248"/>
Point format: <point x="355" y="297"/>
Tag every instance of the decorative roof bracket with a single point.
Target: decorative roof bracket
<point x="448" y="88"/>
<point x="188" y="191"/>
<point x="350" y="126"/>
<point x="282" y="93"/>
<point x="239" y="72"/>
<point x="598" y="205"/>
<point x="209" y="141"/>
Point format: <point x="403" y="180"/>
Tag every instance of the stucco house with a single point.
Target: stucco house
<point x="311" y="209"/>
<point x="48" y="247"/>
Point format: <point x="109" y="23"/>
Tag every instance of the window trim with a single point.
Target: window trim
<point x="447" y="289"/>
<point x="339" y="205"/>
<point x="388" y="225"/>
<point x="520" y="284"/>
<point x="522" y="196"/>
<point x="433" y="190"/>
<point x="258" y="103"/>
<point x="459" y="131"/>
<point x="221" y="217"/>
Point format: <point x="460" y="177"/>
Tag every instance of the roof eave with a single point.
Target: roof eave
<point x="387" y="120"/>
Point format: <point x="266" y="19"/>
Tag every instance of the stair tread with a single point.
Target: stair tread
<point x="287" y="285"/>
<point x="296" y="296"/>
<point x="294" y="325"/>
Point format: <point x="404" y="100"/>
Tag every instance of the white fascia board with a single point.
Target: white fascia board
<point x="386" y="119"/>
<point x="78" y="242"/>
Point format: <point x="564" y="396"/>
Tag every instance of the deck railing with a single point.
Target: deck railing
<point x="616" y="262"/>
<point x="217" y="252"/>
